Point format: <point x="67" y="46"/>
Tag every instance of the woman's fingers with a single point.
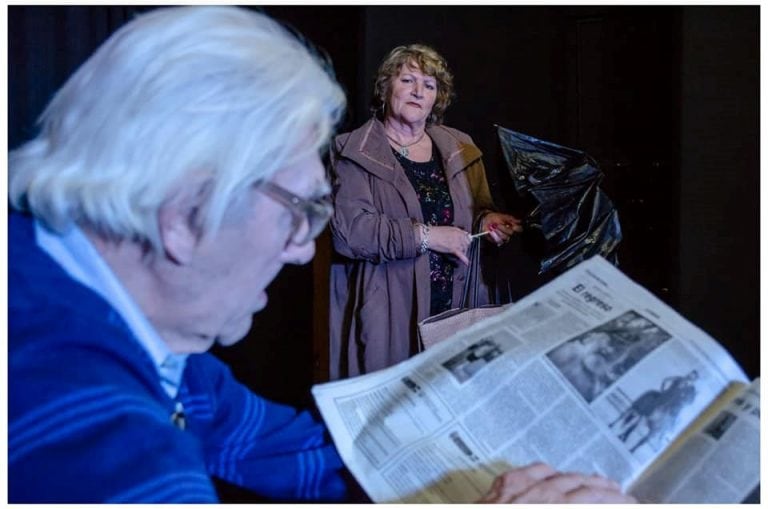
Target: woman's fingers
<point x="464" y="240"/>
<point x="501" y="226"/>
<point x="450" y="240"/>
<point x="462" y="256"/>
<point x="497" y="236"/>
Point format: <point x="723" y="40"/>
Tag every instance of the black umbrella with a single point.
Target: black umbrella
<point x="575" y="216"/>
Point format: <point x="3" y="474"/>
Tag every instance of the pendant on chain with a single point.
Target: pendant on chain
<point x="403" y="149"/>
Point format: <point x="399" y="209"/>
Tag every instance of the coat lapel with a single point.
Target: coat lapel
<point x="368" y="147"/>
<point x="457" y="154"/>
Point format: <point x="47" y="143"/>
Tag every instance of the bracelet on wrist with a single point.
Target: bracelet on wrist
<point x="424" y="244"/>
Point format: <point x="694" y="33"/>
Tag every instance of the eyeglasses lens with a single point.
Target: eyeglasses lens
<point x="315" y="211"/>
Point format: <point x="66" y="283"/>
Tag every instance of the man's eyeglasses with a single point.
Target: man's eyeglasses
<point x="316" y="212"/>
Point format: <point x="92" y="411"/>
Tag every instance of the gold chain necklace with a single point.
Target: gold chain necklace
<point x="403" y="150"/>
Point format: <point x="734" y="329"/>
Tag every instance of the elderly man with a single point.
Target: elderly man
<point x="176" y="172"/>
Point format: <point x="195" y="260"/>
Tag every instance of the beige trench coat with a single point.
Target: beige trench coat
<point x="380" y="284"/>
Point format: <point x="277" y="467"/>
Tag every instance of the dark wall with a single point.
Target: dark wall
<point x="45" y="45"/>
<point x="719" y="161"/>
<point x="664" y="97"/>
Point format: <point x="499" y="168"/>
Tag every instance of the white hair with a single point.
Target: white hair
<point x="222" y="90"/>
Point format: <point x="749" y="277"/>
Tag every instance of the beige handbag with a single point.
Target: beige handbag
<point x="436" y="328"/>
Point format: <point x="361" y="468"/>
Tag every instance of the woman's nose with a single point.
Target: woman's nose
<point x="417" y="89"/>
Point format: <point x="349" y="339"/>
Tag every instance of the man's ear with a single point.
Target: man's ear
<point x="178" y="218"/>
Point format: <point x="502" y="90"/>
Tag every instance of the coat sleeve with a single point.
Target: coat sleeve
<point x="360" y="230"/>
<point x="481" y="194"/>
<point x="269" y="448"/>
<point x="482" y="201"/>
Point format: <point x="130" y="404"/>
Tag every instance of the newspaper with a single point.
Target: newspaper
<point x="590" y="373"/>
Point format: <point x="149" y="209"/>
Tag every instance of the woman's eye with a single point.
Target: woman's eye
<point x="431" y="86"/>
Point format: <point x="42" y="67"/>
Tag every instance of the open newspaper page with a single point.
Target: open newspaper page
<point x="717" y="462"/>
<point x="558" y="377"/>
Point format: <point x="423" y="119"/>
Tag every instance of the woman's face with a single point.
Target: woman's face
<point x="412" y="96"/>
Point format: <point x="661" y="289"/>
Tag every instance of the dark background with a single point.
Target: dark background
<point x="666" y="98"/>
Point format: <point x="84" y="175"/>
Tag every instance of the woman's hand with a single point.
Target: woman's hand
<point x="501" y="226"/>
<point x="539" y="483"/>
<point x="450" y="240"/>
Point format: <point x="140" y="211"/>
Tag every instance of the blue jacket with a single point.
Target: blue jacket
<point x="88" y="420"/>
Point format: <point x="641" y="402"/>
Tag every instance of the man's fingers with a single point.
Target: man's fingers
<point x="571" y="487"/>
<point x="587" y="495"/>
<point x="515" y="482"/>
<point x="597" y="481"/>
<point x="540" y="483"/>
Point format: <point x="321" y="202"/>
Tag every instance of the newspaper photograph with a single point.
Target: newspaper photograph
<point x="590" y="373"/>
<point x="729" y="437"/>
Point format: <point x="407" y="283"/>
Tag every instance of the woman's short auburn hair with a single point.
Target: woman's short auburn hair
<point x="429" y="62"/>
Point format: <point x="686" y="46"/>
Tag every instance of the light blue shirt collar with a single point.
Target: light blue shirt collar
<point x="80" y="259"/>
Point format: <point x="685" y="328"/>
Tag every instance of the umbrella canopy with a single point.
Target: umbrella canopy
<point x="575" y="216"/>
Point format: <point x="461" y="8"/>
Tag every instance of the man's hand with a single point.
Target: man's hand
<point x="539" y="483"/>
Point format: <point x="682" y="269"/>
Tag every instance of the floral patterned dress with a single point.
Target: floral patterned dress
<point x="428" y="180"/>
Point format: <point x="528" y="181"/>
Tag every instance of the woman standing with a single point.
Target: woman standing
<point x="408" y="192"/>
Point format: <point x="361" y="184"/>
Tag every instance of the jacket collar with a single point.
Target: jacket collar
<point x="368" y="147"/>
<point x="36" y="280"/>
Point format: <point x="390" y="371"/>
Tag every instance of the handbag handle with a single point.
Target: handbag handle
<point x="469" y="295"/>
